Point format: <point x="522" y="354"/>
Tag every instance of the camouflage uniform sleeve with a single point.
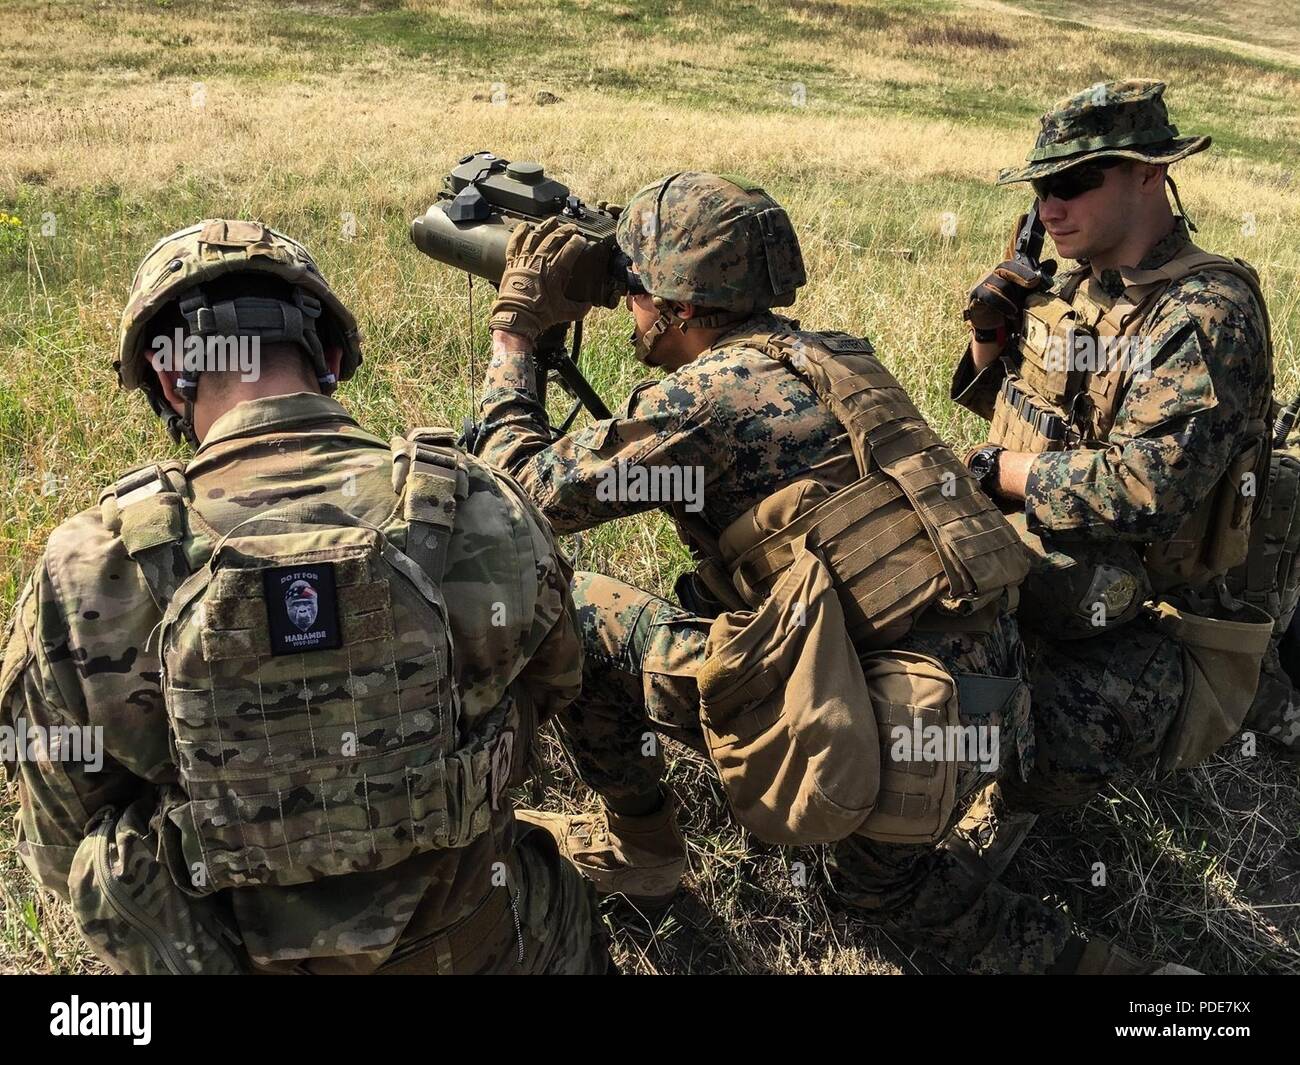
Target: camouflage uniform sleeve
<point x="574" y="480"/>
<point x="553" y="675"/>
<point x="62" y="781"/>
<point x="1178" y="428"/>
<point x="507" y="592"/>
<point x="977" y="390"/>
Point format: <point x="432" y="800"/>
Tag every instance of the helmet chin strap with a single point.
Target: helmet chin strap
<point x="644" y="343"/>
<point x="180" y="427"/>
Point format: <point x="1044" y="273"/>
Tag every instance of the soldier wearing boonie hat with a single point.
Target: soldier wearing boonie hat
<point x="1129" y="399"/>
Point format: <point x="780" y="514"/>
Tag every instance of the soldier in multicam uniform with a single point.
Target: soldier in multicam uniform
<point x="1129" y="401"/>
<point x="307" y="745"/>
<point x="798" y="439"/>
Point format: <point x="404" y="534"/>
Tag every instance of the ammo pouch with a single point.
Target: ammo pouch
<point x="801" y="729"/>
<point x="1030" y="415"/>
<point x="1221" y="663"/>
<point x="1215" y="537"/>
<point x="1049" y="335"/>
<point x="1270" y="576"/>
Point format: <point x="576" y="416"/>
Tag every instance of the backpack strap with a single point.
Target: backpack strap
<point x="429" y="475"/>
<point x="145" y="509"/>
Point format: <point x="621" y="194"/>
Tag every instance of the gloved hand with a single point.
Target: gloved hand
<point x="539" y="265"/>
<point x="999" y="298"/>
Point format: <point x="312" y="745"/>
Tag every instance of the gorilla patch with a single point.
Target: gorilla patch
<point x="302" y="608"/>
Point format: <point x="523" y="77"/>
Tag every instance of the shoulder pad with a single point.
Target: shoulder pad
<point x="429" y="474"/>
<point x="437" y="434"/>
<point x="138" y="484"/>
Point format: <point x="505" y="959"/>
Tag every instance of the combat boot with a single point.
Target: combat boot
<point x="989" y="833"/>
<point x="642" y="858"/>
<point x="1100" y="957"/>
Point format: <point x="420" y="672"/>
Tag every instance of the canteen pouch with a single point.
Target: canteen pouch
<point x="1221" y="663"/>
<point x="786" y="714"/>
<point x="1215" y="537"/>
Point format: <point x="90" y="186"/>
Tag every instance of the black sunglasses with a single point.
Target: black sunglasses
<point x="1068" y="184"/>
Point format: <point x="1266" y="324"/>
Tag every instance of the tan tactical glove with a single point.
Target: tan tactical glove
<point x="539" y="265"/>
<point x="999" y="297"/>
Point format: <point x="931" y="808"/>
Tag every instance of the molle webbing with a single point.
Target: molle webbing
<point x="428" y="472"/>
<point x="914" y="529"/>
<point x="1269" y="578"/>
<point x="1035" y="397"/>
<point x="294" y="767"/>
<point x="146" y="510"/>
<point x="1046" y="423"/>
<point x="1212" y="539"/>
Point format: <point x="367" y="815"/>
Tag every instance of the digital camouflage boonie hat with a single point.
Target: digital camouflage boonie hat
<point x="712" y="241"/>
<point x="182" y="262"/>
<point x="1076" y="589"/>
<point x="1127" y="119"/>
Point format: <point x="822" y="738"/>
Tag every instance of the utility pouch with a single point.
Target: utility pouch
<point x="1221" y="663"/>
<point x="786" y="714"/>
<point x="910" y="694"/>
<point x="1050" y="335"/>
<point x="133" y="914"/>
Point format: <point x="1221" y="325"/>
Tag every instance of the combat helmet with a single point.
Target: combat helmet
<point x="181" y="269"/>
<point x="711" y="241"/>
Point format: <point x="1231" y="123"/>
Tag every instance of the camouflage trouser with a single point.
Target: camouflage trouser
<point x="541" y="918"/>
<point x="1275" y="713"/>
<point x="642" y="655"/>
<point x="552" y="928"/>
<point x="1099" y="705"/>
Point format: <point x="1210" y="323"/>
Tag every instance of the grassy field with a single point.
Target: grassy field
<point x="879" y="125"/>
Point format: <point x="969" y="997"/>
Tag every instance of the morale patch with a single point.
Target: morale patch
<point x="302" y="609"/>
<point x="845" y="343"/>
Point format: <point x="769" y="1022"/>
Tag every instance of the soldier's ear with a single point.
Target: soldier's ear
<point x="1152" y="177"/>
<point x="167" y="383"/>
<point x="684" y="310"/>
<point x="334" y="359"/>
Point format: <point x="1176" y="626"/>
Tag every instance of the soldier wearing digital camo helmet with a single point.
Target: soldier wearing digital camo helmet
<point x="1130" y="406"/>
<point x="310" y="723"/>
<point x="849" y="568"/>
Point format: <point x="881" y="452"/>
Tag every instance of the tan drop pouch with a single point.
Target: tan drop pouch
<point x="1221" y="663"/>
<point x="786" y="713"/>
<point x="802" y="731"/>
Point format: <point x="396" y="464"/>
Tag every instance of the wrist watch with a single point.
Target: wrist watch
<point x="983" y="464"/>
